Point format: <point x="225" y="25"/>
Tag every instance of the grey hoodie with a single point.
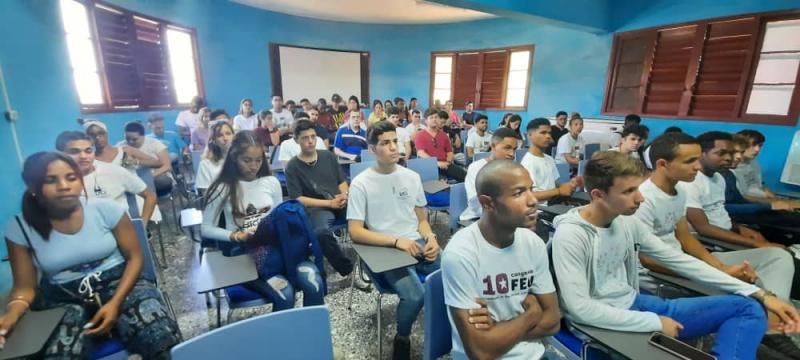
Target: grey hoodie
<point x="589" y="275"/>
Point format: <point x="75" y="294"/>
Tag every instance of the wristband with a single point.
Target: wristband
<point x="395" y="242"/>
<point x="19" y="300"/>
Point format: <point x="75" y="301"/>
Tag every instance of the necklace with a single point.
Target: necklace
<point x="310" y="163"/>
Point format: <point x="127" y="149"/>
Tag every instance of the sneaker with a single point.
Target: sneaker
<point x="782" y="344"/>
<point x="401" y="350"/>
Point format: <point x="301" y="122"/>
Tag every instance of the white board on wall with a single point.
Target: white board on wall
<point x="319" y="73"/>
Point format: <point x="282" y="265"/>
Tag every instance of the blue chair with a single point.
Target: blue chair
<point x="367" y="155"/>
<point x="428" y="170"/>
<point x="563" y="173"/>
<point x="589" y="150"/>
<point x="480" y="155"/>
<point x="437" y="337"/>
<point x="302" y="333"/>
<point x="582" y="167"/>
<point x="357" y="168"/>
<point x="458" y="202"/>
<point x="519" y="154"/>
<point x="146" y="175"/>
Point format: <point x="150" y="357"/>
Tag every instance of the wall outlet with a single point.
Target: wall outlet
<point x="12" y="115"/>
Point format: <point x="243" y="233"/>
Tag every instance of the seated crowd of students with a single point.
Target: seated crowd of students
<point x="506" y="280"/>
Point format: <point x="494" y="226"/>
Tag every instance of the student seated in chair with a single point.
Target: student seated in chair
<point x="154" y="155"/>
<point x="595" y="257"/>
<point x="705" y="196"/>
<point x="541" y="167"/>
<point x="244" y="193"/>
<point x="676" y="158"/>
<point x="499" y="264"/>
<point x="479" y="139"/>
<point x="65" y="241"/>
<point x="212" y="159"/>
<point x="434" y="142"/>
<point x="104" y="180"/>
<point x="403" y="137"/>
<point x="503" y="145"/>
<point x="315" y="178"/>
<point x="291" y="147"/>
<point x="351" y="138"/>
<point x="633" y="137"/>
<point x="386" y="207"/>
<point x="748" y="173"/>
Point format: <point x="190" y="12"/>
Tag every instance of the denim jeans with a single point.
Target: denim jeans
<point x="738" y="321"/>
<point x="321" y="220"/>
<point x="406" y="284"/>
<point x="281" y="292"/>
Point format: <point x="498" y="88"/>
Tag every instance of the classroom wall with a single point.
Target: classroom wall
<point x="569" y="66"/>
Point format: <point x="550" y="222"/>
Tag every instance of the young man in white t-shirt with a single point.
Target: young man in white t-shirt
<point x="106" y="180"/>
<point x="570" y="145"/>
<point x="500" y="264"/>
<point x="281" y="117"/>
<point x="595" y="254"/>
<point x="158" y="152"/>
<point x="189" y="119"/>
<point x="403" y="138"/>
<point x="386" y="207"/>
<point x="541" y="167"/>
<point x="504" y="144"/>
<point x="748" y="172"/>
<point x="480" y="139"/>
<point x="676" y="158"/>
<point x="633" y="137"/>
<point x="414" y="124"/>
<point x="705" y="196"/>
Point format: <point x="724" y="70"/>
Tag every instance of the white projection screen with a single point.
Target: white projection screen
<point x="301" y="72"/>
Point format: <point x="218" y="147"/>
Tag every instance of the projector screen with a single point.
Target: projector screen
<point x="300" y="72"/>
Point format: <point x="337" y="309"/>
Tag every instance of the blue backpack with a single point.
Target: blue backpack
<point x="287" y="239"/>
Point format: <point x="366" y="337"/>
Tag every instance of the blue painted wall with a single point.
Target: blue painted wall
<point x="569" y="69"/>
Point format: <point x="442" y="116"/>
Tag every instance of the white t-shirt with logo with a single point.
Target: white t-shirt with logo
<point x="282" y="119"/>
<point x="472" y="268"/>
<point x="113" y="182"/>
<point x="568" y="145"/>
<point x="661" y="212"/>
<point x="403" y="138"/>
<point x="543" y="172"/>
<point x="387" y="202"/>
<point x="479" y="143"/>
<point x="290" y="148"/>
<point x="241" y="122"/>
<point x="708" y="194"/>
<point x="187" y="118"/>
<point x="256" y="199"/>
<point x="474" y="209"/>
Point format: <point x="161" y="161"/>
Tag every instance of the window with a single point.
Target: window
<point x="124" y="61"/>
<point x="741" y="68"/>
<point x="497" y="79"/>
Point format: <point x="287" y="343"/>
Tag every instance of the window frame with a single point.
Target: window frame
<point x="750" y="66"/>
<point x="107" y="106"/>
<point x="479" y="76"/>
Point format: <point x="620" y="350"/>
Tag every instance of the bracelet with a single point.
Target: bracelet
<point x="21" y="300"/>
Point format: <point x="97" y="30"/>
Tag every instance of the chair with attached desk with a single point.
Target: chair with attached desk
<point x="302" y="333"/>
<point x="367" y="155"/>
<point x="438" y="199"/>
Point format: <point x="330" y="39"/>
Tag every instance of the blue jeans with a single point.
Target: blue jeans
<point x="282" y="298"/>
<point x="406" y="284"/>
<point x="322" y="221"/>
<point x="738" y="321"/>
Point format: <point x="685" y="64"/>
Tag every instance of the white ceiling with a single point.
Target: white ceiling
<point x="369" y="11"/>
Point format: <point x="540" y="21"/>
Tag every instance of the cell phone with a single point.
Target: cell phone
<point x="678" y="348"/>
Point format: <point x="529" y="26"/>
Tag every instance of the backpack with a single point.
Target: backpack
<point x="283" y="239"/>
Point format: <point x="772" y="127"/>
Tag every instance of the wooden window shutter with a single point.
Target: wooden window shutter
<point x="670" y="65"/>
<point x="466" y="78"/>
<point x="721" y="78"/>
<point x="114" y="35"/>
<point x="632" y="55"/>
<point x="493" y="79"/>
<point x="152" y="64"/>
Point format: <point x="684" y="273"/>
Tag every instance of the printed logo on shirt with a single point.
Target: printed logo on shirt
<point x="505" y="285"/>
<point x="253" y="216"/>
<point x="401" y="193"/>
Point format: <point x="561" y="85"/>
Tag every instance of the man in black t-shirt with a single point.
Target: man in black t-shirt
<point x="557" y="130"/>
<point x="315" y="178"/>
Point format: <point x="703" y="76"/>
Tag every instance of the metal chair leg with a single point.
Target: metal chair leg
<point x="219" y="309"/>
<point x="380" y="339"/>
<point x="352" y="285"/>
<point x="163" y="261"/>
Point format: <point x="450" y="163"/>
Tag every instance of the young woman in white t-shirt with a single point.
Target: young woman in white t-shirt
<point x="243" y="194"/>
<point x="88" y="261"/>
<point x="246" y="119"/>
<point x="211" y="163"/>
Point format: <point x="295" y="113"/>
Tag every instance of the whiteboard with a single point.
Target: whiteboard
<point x="314" y="73"/>
<point x="791" y="169"/>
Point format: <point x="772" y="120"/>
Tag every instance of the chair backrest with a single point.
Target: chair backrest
<point x="437" y="338"/>
<point x="300" y="333"/>
<point x="480" y="155"/>
<point x="563" y="173"/>
<point x="464" y="134"/>
<point x="357" y="168"/>
<point x="133" y="207"/>
<point x="275" y="163"/>
<point x="146" y="174"/>
<point x="196" y="160"/>
<point x="590" y="149"/>
<point x="427" y="168"/>
<point x="519" y="154"/>
<point x="367" y="155"/>
<point x="149" y="267"/>
<point x="582" y="167"/>
<point x="458" y="202"/>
